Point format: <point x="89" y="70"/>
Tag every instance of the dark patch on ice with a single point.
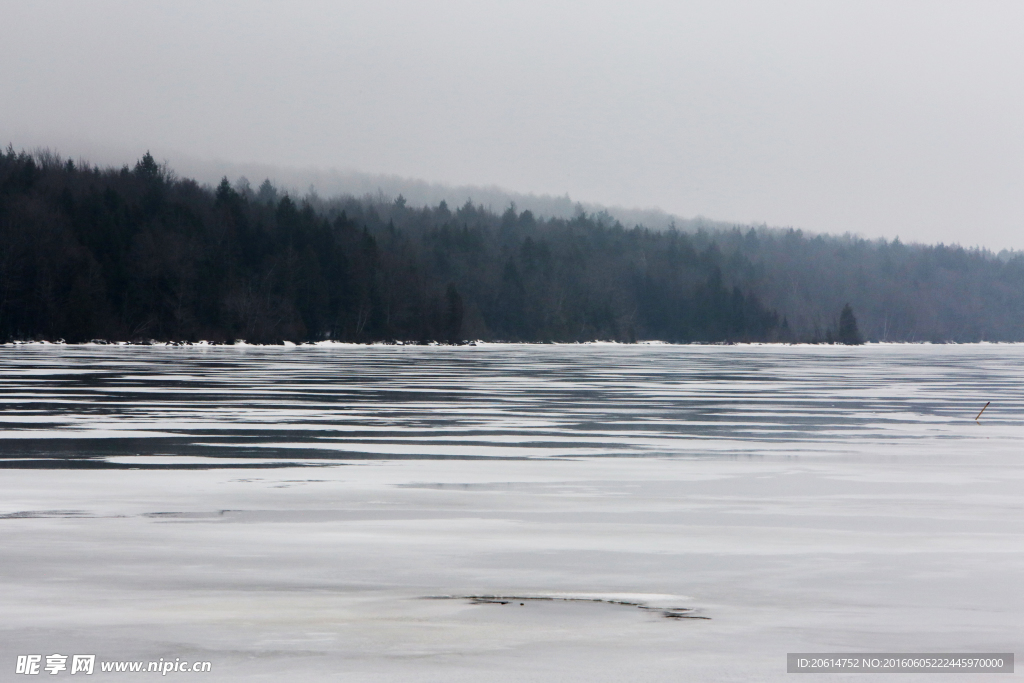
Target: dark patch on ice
<point x="667" y="612"/>
<point x="488" y="486"/>
<point x="184" y="515"/>
<point x="307" y="516"/>
<point x="220" y="445"/>
<point x="45" y="514"/>
<point x="103" y="464"/>
<point x="289" y="483"/>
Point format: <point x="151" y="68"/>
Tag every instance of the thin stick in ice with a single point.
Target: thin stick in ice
<point x="982" y="411"/>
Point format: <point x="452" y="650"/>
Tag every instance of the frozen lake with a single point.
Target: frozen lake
<point x="289" y="513"/>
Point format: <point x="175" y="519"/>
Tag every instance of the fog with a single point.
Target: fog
<point x="310" y="183"/>
<point x="870" y="117"/>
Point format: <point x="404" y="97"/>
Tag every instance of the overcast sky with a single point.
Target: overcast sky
<point x="878" y="118"/>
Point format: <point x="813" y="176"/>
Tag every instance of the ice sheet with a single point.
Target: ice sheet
<point x="803" y="499"/>
<point x="323" y="576"/>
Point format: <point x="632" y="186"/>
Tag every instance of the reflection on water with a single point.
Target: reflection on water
<point x="108" y="405"/>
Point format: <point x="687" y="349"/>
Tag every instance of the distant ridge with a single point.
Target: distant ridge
<point x="384" y="188"/>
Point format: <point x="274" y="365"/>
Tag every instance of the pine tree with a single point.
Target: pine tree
<point x="453" y="315"/>
<point x="848" y="332"/>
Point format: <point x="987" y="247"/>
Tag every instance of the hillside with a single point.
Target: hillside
<point x="137" y="254"/>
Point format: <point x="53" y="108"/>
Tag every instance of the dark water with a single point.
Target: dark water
<point x="103" y="406"/>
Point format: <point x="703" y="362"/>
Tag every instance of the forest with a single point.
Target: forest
<point x="139" y="254"/>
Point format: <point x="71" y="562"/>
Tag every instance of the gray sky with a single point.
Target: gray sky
<point x="878" y="118"/>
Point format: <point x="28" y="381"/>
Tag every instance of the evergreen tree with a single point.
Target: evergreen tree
<point x="848" y="332"/>
<point x="453" y="315"/>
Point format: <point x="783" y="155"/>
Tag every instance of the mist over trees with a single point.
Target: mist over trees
<point x="139" y="254"/>
<point x="334" y="182"/>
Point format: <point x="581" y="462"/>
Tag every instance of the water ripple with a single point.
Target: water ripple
<point x="67" y="404"/>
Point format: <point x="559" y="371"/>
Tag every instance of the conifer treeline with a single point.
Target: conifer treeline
<point x="137" y="254"/>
